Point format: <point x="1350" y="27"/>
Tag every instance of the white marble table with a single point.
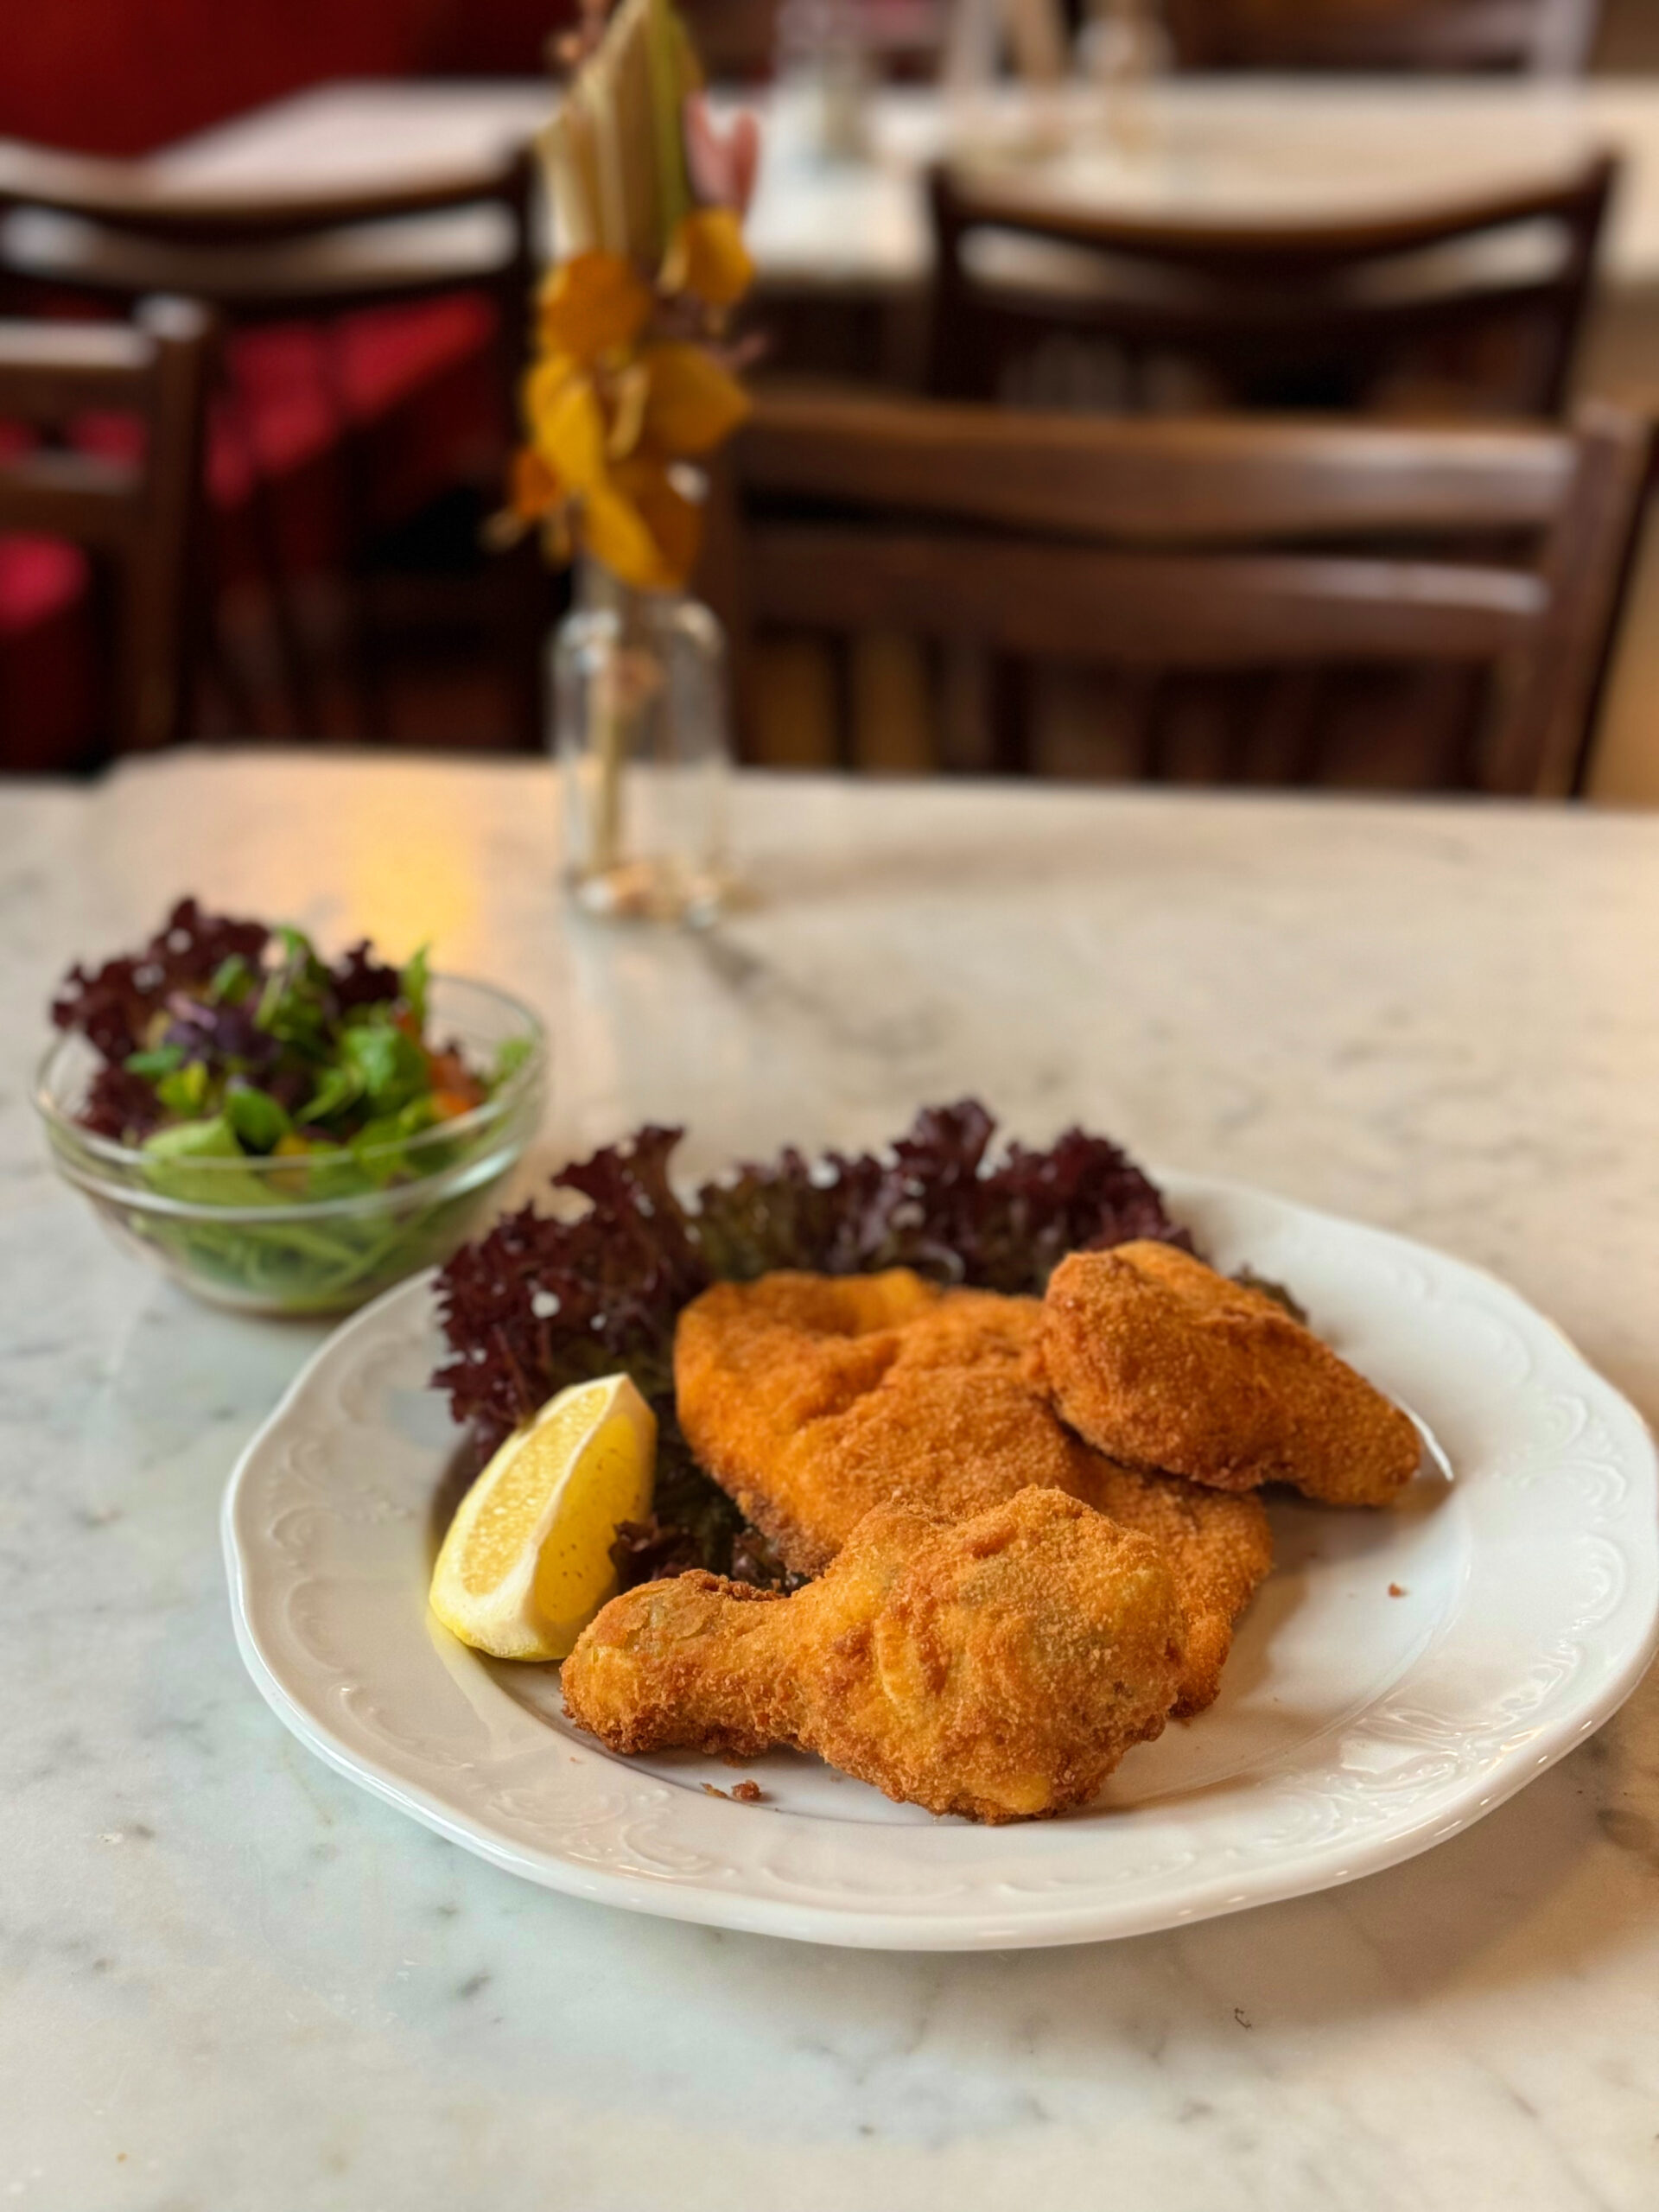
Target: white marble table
<point x="231" y="1982"/>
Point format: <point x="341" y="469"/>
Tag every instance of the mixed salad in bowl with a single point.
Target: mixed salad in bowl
<point x="283" y="1131"/>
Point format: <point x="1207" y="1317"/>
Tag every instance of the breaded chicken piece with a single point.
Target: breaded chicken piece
<point x="998" y="1668"/>
<point x="1154" y="1358"/>
<point x="813" y="1399"/>
<point x="1219" y="1546"/>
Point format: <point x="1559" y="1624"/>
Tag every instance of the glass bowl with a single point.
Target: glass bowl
<point x="323" y="1234"/>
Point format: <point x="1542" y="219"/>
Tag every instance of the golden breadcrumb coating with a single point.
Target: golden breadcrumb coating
<point x="813" y="1399"/>
<point x="997" y="1667"/>
<point x="1155" y="1358"/>
<point x="1220" y="1550"/>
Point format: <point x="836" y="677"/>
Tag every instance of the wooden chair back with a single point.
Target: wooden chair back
<point x="738" y="40"/>
<point x="115" y="228"/>
<point x="1538" y="37"/>
<point x="1255" y="588"/>
<point x="113" y="232"/>
<point x="1475" y="308"/>
<point x="135" y="517"/>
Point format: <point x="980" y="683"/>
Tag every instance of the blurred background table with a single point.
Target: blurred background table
<point x="231" y="1979"/>
<point x="1233" y="149"/>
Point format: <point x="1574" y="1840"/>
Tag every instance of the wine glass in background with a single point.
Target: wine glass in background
<point x="1125" y="48"/>
<point x="824" y="71"/>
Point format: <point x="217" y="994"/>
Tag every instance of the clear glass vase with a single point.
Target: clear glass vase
<point x="641" y="731"/>
<point x="825" y="75"/>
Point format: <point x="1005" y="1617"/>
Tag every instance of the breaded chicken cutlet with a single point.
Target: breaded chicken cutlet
<point x="997" y="1667"/>
<point x="1156" y="1359"/>
<point x="813" y="1399"/>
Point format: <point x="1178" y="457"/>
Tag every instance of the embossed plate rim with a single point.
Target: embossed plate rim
<point x="477" y="1767"/>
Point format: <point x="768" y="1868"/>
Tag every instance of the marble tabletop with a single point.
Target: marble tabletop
<point x="232" y="1982"/>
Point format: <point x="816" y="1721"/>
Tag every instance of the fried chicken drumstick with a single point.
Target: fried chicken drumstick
<point x="812" y="1399"/>
<point x="997" y="1667"/>
<point x="1154" y="1358"/>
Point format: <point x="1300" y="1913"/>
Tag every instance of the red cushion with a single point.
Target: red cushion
<point x="48" y="691"/>
<point x="419" y="387"/>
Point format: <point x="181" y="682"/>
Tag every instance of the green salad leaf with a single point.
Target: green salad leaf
<point x="246" y="1071"/>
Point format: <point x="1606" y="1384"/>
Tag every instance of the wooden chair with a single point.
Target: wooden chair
<point x="1544" y="38"/>
<point x="135" y="517"/>
<point x="1475" y="308"/>
<point x="1265" y="594"/>
<point x="112" y="232"/>
<point x="740" y="39"/>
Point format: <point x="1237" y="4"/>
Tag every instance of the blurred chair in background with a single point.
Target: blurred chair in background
<point x="1361" y="604"/>
<point x="1541" y="37"/>
<point x="374" y="342"/>
<point x="1034" y="34"/>
<point x="747" y="39"/>
<point x="129" y="519"/>
<point x="1473" y="309"/>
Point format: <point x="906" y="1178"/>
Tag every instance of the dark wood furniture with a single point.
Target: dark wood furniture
<point x="1265" y="595"/>
<point x="745" y="39"/>
<point x="1474" y="308"/>
<point x="111" y="232"/>
<point x="134" y="516"/>
<point x="1541" y="37"/>
<point x="109" y="228"/>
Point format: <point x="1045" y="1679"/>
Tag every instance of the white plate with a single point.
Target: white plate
<point x="1355" y="1728"/>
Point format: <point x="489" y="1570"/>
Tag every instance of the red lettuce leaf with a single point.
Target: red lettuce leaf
<point x="545" y="1301"/>
<point x="112" y="1006"/>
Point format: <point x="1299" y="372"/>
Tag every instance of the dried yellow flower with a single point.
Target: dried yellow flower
<point x="592" y="305"/>
<point x="707" y="257"/>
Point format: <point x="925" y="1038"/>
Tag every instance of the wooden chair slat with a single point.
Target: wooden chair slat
<point x="138" y="516"/>
<point x="81" y="497"/>
<point x="1266" y="312"/>
<point x="1280" y="561"/>
<point x="1078" y="604"/>
<point x="133" y="196"/>
<point x="1216" y="478"/>
<point x="1539" y="37"/>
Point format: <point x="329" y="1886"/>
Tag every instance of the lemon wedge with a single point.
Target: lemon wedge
<point x="527" y="1561"/>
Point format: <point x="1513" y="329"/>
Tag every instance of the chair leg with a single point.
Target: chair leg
<point x="521" y="639"/>
<point x="844" y="706"/>
<point x="361" y="639"/>
<point x="293" y="663"/>
<point x="1146" y="697"/>
<point x="219" y="668"/>
<point x="1011" y="703"/>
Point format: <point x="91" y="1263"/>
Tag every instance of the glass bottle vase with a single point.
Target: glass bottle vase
<point x="641" y="732"/>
